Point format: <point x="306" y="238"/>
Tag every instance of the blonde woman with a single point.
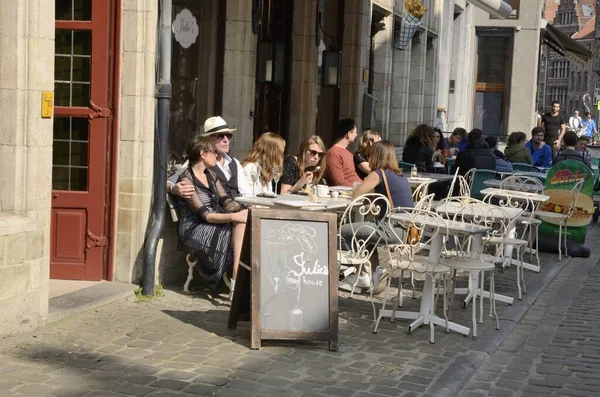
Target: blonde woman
<point x="361" y="162"/>
<point x="306" y="167"/>
<point x="382" y="160"/>
<point x="265" y="155"/>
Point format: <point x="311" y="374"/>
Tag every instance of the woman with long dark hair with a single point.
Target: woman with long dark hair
<point x="419" y="148"/>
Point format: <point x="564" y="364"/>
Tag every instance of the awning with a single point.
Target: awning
<point x="565" y="45"/>
<point x="497" y="8"/>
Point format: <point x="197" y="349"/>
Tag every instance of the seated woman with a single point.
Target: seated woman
<point x="361" y="163"/>
<point x="441" y="153"/>
<point x="311" y="168"/>
<point x="211" y="223"/>
<point x="382" y="160"/>
<point x="568" y="152"/>
<point x="265" y="155"/>
<point x="419" y="148"/>
<point x="515" y="151"/>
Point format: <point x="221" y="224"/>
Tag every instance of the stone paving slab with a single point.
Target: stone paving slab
<point x="555" y="349"/>
<point x="179" y="345"/>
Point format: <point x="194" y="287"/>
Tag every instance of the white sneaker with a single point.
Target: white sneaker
<point x="364" y="281"/>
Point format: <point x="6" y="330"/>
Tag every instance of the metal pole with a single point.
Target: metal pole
<point x="161" y="136"/>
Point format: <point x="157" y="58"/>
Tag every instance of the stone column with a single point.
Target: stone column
<point x="136" y="136"/>
<point x="382" y="71"/>
<point x="26" y="69"/>
<point x="239" y="74"/>
<point x="400" y="94"/>
<point x="355" y="58"/>
<point x="303" y="99"/>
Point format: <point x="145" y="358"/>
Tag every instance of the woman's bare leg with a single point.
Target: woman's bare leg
<point x="237" y="239"/>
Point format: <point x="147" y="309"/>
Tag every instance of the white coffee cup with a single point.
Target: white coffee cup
<point x="323" y="190"/>
<point x="335" y="194"/>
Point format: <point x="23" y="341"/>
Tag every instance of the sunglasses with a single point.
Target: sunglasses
<point x="220" y="137"/>
<point x="315" y="153"/>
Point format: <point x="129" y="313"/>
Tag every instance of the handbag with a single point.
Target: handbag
<point x="414" y="236"/>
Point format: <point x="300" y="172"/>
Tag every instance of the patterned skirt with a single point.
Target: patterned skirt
<point x="210" y="243"/>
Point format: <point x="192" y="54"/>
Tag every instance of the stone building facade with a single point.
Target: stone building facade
<point x="78" y="184"/>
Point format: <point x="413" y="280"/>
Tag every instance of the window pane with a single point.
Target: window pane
<point x="79" y="179"/>
<point x="82" y="10"/>
<point x="62" y="94"/>
<point x="62" y="68"/>
<point x="60" y="178"/>
<point x="69" y="10"/>
<point x="60" y="152"/>
<point x="79" y="129"/>
<point x="79" y="154"/>
<point x="81" y="69"/>
<point x="492" y="57"/>
<point x="61" y="128"/>
<point x="81" y="94"/>
<point x="62" y="42"/>
<point x="82" y="42"/>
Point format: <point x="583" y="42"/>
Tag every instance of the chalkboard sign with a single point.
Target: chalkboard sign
<point x="293" y="278"/>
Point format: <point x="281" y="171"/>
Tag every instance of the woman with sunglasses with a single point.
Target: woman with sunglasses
<point x="306" y="167"/>
<point x="385" y="179"/>
<point x="211" y="223"/>
<point x="266" y="154"/>
<point x="361" y="162"/>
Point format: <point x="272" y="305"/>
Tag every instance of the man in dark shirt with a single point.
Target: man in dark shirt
<point x="554" y="125"/>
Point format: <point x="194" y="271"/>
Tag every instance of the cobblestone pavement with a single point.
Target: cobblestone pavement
<point x="179" y="345"/>
<point x="555" y="349"/>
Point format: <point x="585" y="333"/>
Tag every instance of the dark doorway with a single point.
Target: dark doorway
<point x="275" y="23"/>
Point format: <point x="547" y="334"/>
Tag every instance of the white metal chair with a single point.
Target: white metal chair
<point x="561" y="218"/>
<point x="513" y="200"/>
<point x="467" y="254"/>
<point x="530" y="185"/>
<point x="406" y="255"/>
<point x="463" y="186"/>
<point x="359" y="221"/>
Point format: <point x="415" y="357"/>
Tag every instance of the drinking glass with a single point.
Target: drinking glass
<point x="255" y="173"/>
<point x="276" y="171"/>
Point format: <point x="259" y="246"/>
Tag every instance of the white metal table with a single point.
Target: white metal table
<point x="323" y="204"/>
<point x="426" y="315"/>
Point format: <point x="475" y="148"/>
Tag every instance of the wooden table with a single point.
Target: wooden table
<point x="426" y="315"/>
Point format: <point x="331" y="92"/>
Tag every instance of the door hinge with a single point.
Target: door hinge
<point x="95" y="241"/>
<point x="99" y="112"/>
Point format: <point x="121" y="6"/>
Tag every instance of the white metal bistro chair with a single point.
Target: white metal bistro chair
<point x="527" y="184"/>
<point x="358" y="236"/>
<point x="561" y="217"/>
<point x="512" y="200"/>
<point x="422" y="226"/>
<point x="467" y="252"/>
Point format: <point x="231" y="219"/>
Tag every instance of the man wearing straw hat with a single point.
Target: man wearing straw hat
<point x="228" y="169"/>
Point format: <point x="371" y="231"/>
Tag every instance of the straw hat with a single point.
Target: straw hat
<point x="216" y="125"/>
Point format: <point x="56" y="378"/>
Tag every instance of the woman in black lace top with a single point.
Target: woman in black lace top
<point x="211" y="223"/>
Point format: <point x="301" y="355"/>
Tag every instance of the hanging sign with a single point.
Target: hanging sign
<point x="185" y="28"/>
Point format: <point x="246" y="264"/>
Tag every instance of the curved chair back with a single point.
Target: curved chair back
<point x="420" y="191"/>
<point x="476" y="178"/>
<point x="405" y="167"/>
<point x="414" y="229"/>
<point x="524" y="167"/>
<point x="522" y="183"/>
<point x="358" y="222"/>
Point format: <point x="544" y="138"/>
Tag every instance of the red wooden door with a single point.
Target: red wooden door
<point x="80" y="140"/>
